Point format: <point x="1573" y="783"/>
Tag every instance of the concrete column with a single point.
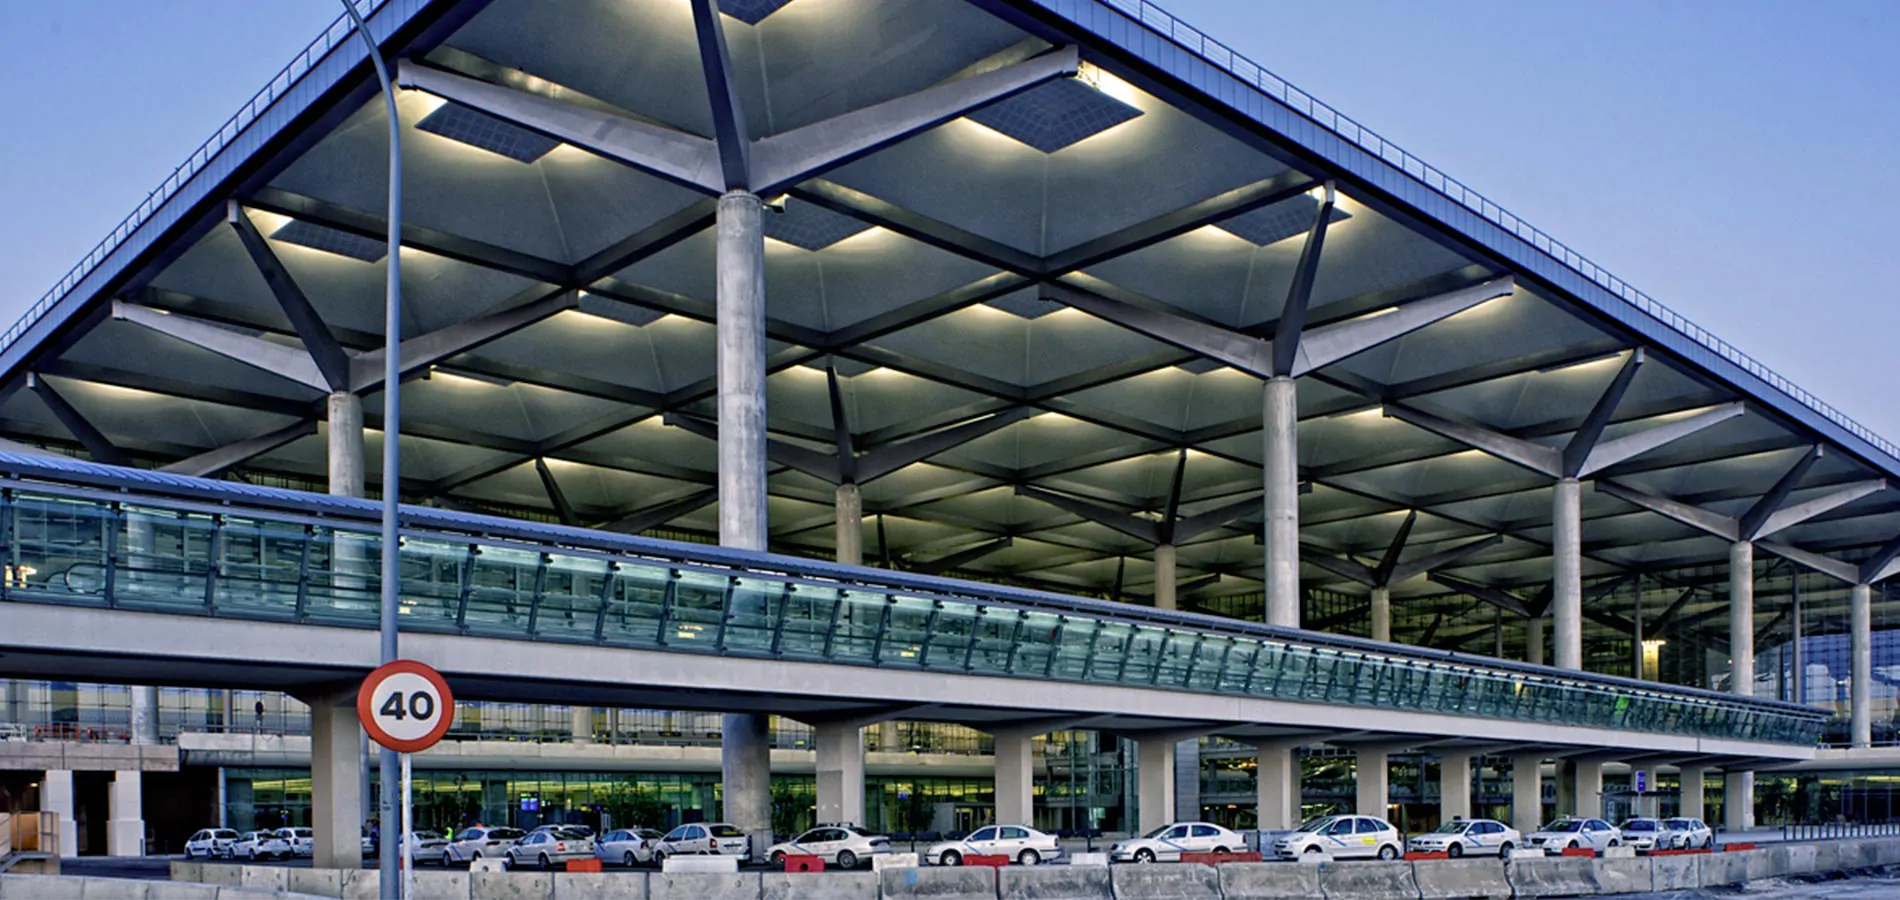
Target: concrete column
<point x="1015" y="778"/>
<point x="144" y="709"/>
<point x="1741" y="618"/>
<point x="1861" y="665"/>
<point x="1454" y="787"/>
<point x="1372" y="772"/>
<point x="1381" y="614"/>
<point x="1187" y="780"/>
<point x="1277" y="788"/>
<point x="581" y="728"/>
<point x="1691" y="805"/>
<point x="840" y="773"/>
<point x="1566" y="571"/>
<point x="849" y="501"/>
<point x="746" y="773"/>
<point x="125" y="825"/>
<point x="1534" y="642"/>
<point x="56" y="799"/>
<point x="1738" y="801"/>
<point x="1527" y="792"/>
<point x="1566" y="785"/>
<point x="1587" y="794"/>
<point x="346" y="444"/>
<point x="336" y="772"/>
<point x="1280" y="434"/>
<point x="1164" y="577"/>
<point x="887" y="737"/>
<point x="1155" y="760"/>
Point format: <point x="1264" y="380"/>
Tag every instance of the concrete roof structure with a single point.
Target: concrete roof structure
<point x="1038" y="329"/>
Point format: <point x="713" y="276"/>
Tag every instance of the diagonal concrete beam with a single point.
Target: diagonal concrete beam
<point x="317" y="340"/>
<point x="422" y="351"/>
<point x="662" y="513"/>
<point x="1584" y="440"/>
<point x="1789" y="516"/>
<point x="810" y="462"/>
<point x="1757" y="515"/>
<point x="1144" y="530"/>
<point x="277" y="359"/>
<point x="1299" y="293"/>
<point x="881" y="461"/>
<point x="728" y="115"/>
<point x="1382" y="573"/>
<point x="1349" y="569"/>
<point x="1884" y="564"/>
<point x="94" y="440"/>
<point x="556" y="496"/>
<point x="1609" y="453"/>
<point x="961" y="557"/>
<point x="1430" y="561"/>
<point x="1503" y="600"/>
<point x="1188" y="528"/>
<point x="1716" y="524"/>
<point x="1321" y="347"/>
<point x="1531" y="455"/>
<point x="216" y="460"/>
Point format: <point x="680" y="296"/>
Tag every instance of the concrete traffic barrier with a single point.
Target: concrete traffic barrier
<point x="703" y="886"/>
<point x="41" y="887"/>
<point x="1069" y="882"/>
<point x="938" y="883"/>
<point x="1827" y="856"/>
<point x="321" y="882"/>
<point x="510" y="886"/>
<point x="1718" y="869"/>
<point x="1626" y="875"/>
<point x="1552" y="876"/>
<point x="188" y="871"/>
<point x="1368" y="881"/>
<point x="443" y="885"/>
<point x="1165" y="882"/>
<point x="589" y="886"/>
<point x="359" y="884"/>
<point x="488" y="864"/>
<point x="1859" y="854"/>
<point x="267" y="877"/>
<point x="1271" y="881"/>
<point x="180" y="890"/>
<point x="1459" y="879"/>
<point x="1619" y="852"/>
<point x="724" y="865"/>
<point x="113" y="889"/>
<point x="1088" y="859"/>
<point x="1793" y="859"/>
<point x="220" y="873"/>
<point x="884" y="861"/>
<point x="1674" y="873"/>
<point x="828" y="886"/>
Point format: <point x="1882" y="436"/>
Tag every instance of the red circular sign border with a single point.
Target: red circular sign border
<point x="367" y="716"/>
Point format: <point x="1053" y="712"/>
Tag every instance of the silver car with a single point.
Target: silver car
<point x="211" y="843"/>
<point x="1168" y="842"/>
<point x="702" y="838"/>
<point x="428" y="847"/>
<point x="1469" y="837"/>
<point x="627" y="846"/>
<point x="844" y="846"/>
<point x="255" y="845"/>
<point x="1687" y="834"/>
<point x="482" y="842"/>
<point x="1644" y="834"/>
<point x="302" y="841"/>
<point x="1571" y="833"/>
<point x="545" y="849"/>
<point x="1018" y="842"/>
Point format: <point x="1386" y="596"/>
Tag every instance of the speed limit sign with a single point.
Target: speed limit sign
<point x="405" y="706"/>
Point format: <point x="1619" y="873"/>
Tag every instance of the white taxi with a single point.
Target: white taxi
<point x="1342" y="837"/>
<point x="844" y="846"/>
<point x="1021" y="843"/>
<point x="1168" y="842"/>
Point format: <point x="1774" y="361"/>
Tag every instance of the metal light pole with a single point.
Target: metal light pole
<point x="388" y="885"/>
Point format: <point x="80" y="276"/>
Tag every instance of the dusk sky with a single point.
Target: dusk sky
<point x="1735" y="160"/>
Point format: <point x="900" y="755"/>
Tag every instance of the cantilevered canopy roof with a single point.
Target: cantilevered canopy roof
<point x="958" y="300"/>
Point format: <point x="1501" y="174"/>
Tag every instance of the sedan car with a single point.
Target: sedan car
<point x="428" y="847"/>
<point x="844" y="846"/>
<point x="1341" y="837"/>
<point x="544" y="849"/>
<point x="1018" y="842"/>
<point x="1574" y="834"/>
<point x="1469" y="837"/>
<point x="1170" y="841"/>
<point x="1687" y="834"/>
<point x="211" y="843"/>
<point x="482" y="841"/>
<point x="1644" y="834"/>
<point x="261" y="845"/>
<point x="302" y="841"/>
<point x="627" y="846"/>
<point x="704" y="837"/>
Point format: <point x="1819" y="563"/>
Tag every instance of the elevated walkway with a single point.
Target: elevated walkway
<point x="131" y="575"/>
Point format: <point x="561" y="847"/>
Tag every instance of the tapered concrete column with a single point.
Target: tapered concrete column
<point x="1164" y="577"/>
<point x="1741" y="618"/>
<point x="1155" y="759"/>
<point x="1279" y="429"/>
<point x="887" y="737"/>
<point x="1454" y="787"/>
<point x="56" y="799"/>
<point x="840" y="773"/>
<point x="346" y="444"/>
<point x="1015" y="778"/>
<point x="1860" y="664"/>
<point x="849" y="500"/>
<point x="746" y="773"/>
<point x="1187" y="780"/>
<point x="144" y="710"/>
<point x="1534" y="642"/>
<point x="336" y="773"/>
<point x="1527" y="792"/>
<point x="1691" y="781"/>
<point x="1372" y="771"/>
<point x="1277" y="788"/>
<point x="581" y="725"/>
<point x="1381" y="614"/>
<point x="1566" y="572"/>
<point x="125" y="829"/>
<point x="1738" y="801"/>
<point x="1586" y="792"/>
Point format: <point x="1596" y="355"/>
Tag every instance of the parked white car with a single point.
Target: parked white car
<point x="1469" y="837"/>
<point x="428" y="847"/>
<point x="1687" y="834"/>
<point x="255" y="845"/>
<point x="844" y="846"/>
<point x="627" y="846"/>
<point x="211" y="843"/>
<point x="1021" y="843"/>
<point x="704" y="837"/>
<point x="1572" y="833"/>
<point x="482" y="842"/>
<point x="302" y="841"/>
<point x="1167" y="843"/>
<point x="546" y="849"/>
<point x="1644" y="833"/>
<point x="1342" y="837"/>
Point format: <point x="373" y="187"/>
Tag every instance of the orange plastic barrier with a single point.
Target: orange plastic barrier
<point x="1214" y="859"/>
<point x="583" y="865"/>
<point x="1738" y="846"/>
<point x="1426" y="854"/>
<point x="978" y="859"/>
<point x="1580" y="851"/>
<point x="804" y="863"/>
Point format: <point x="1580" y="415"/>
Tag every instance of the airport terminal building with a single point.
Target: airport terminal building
<point x="919" y="413"/>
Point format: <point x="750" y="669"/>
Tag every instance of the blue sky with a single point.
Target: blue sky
<point x="1736" y="160"/>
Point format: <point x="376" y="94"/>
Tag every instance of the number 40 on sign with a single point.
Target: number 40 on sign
<point x="405" y="706"/>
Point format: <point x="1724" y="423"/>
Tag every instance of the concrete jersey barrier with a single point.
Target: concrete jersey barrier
<point x="938" y="883"/>
<point x="1165" y="882"/>
<point x="1269" y="881"/>
<point x="1053" y="883"/>
<point x="1462" y="879"/>
<point x="77" y="887"/>
<point x="1368" y="881"/>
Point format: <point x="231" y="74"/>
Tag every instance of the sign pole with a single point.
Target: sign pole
<point x="408" y="834"/>
<point x="406" y="707"/>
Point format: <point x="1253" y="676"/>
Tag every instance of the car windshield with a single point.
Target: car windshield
<point x="647" y="833"/>
<point x="1677" y="824"/>
<point x="427" y="836"/>
<point x="224" y="834"/>
<point x="1640" y="825"/>
<point x="726" y="831"/>
<point x="1315" y="824"/>
<point x="1565" y="825"/>
<point x="1157" y="832"/>
<point x="503" y="834"/>
<point x="1450" y="828"/>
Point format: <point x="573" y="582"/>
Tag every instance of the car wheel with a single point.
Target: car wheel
<point x="950" y="858"/>
<point x="1615" y="843"/>
<point x="847" y="860"/>
<point x="659" y="857"/>
<point x="1504" y="849"/>
<point x="1222" y="850"/>
<point x="629" y="859"/>
<point x="472" y="857"/>
<point x="1388" y="852"/>
<point x="1028" y="857"/>
<point x="190" y="854"/>
<point x="1571" y="846"/>
<point x="545" y="864"/>
<point x="1144" y="856"/>
<point x="1454" y="850"/>
<point x="778" y="857"/>
<point x="1312" y="850"/>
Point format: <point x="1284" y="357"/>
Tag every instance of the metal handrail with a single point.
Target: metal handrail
<point x="1225" y="58"/>
<point x="285" y="79"/>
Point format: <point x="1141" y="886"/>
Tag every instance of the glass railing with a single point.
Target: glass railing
<point x="78" y="546"/>
<point x="1225" y="58"/>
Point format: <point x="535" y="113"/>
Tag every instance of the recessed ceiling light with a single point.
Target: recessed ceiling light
<point x="751" y="12"/>
<point x="330" y="240"/>
<point x="1055" y="115"/>
<point x="810" y="227"/>
<point x="1280" y="221"/>
<point x="480" y="130"/>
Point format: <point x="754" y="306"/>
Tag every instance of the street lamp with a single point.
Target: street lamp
<point x="388" y="887"/>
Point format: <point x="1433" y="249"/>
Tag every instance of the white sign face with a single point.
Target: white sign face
<point x="406" y="705"/>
